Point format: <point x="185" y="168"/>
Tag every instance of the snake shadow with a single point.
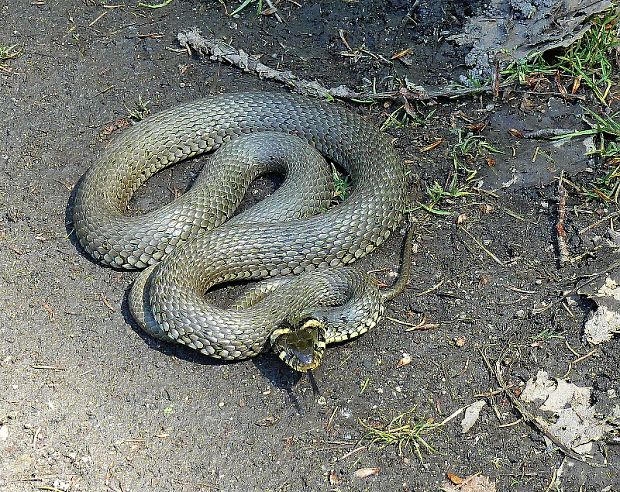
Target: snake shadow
<point x="271" y="368"/>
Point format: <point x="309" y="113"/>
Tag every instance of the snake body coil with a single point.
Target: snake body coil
<point x="200" y="253"/>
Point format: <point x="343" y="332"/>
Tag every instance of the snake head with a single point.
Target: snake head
<point x="301" y="347"/>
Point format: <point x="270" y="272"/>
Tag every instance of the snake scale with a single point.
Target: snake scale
<point x="191" y="246"/>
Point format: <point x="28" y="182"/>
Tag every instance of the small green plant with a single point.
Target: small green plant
<point x="342" y="185"/>
<point x="140" y="110"/>
<point x="159" y="5"/>
<point x="606" y="131"/>
<point x="605" y="188"/>
<point x="245" y="3"/>
<point x="8" y="53"/>
<point x="404" y="431"/>
<point x="547" y="334"/>
<point x="525" y="68"/>
<point x="402" y="117"/>
<point x="469" y="148"/>
<point x="396" y="119"/>
<point x="465" y="153"/>
<point x="588" y="60"/>
<point x="438" y="193"/>
<point x="476" y="83"/>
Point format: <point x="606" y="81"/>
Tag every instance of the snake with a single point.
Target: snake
<point x="298" y="249"/>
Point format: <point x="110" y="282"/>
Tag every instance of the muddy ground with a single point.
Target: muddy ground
<point x="88" y="403"/>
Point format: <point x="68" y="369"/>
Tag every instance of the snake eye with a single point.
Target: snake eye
<point x="301" y="348"/>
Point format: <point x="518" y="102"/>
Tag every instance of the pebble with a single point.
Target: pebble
<point x="4" y="432"/>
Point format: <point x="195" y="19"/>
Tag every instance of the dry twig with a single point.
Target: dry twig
<point x="570" y="292"/>
<point x="218" y="50"/>
<point x="537" y="422"/>
<point x="559" y="226"/>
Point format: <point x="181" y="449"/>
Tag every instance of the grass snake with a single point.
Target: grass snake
<point x="195" y="243"/>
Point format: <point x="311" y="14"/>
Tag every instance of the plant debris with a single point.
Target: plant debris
<point x="575" y="422"/>
<point x="512" y="29"/>
<point x="367" y="472"/>
<point x="604" y="322"/>
<point x="475" y="483"/>
<point x="219" y="50"/>
<point x="472" y="413"/>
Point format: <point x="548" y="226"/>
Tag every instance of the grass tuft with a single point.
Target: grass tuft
<point x="8" y="53"/>
<point x="547" y="334"/>
<point x="606" y="131"/>
<point x="140" y="110"/>
<point x="469" y="150"/>
<point x="404" y="431"/>
<point x="245" y="3"/>
<point x="589" y="60"/>
<point x="403" y="117"/>
<point x="342" y="185"/>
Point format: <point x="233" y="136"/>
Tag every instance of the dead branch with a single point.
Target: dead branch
<point x="218" y="50"/>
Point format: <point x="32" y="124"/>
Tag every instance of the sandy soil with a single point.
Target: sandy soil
<point x="88" y="403"/>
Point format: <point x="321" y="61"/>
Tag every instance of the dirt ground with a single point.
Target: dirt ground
<point x="88" y="403"/>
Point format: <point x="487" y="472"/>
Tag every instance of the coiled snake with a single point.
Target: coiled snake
<point x="190" y="247"/>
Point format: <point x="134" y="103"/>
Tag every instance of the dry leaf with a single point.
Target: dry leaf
<point x="477" y="127"/>
<point x="436" y="143"/>
<point x="559" y="85"/>
<point x="400" y="54"/>
<point x="461" y="218"/>
<point x="475" y="483"/>
<point x="603" y="323"/>
<point x="472" y="413"/>
<point x="367" y="472"/>
<point x="333" y="478"/>
<point x="50" y="311"/>
<point x="574" y="421"/>
<point x="515" y="133"/>
<point x="404" y="361"/>
<point x="455" y="479"/>
<point x="112" y="127"/>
